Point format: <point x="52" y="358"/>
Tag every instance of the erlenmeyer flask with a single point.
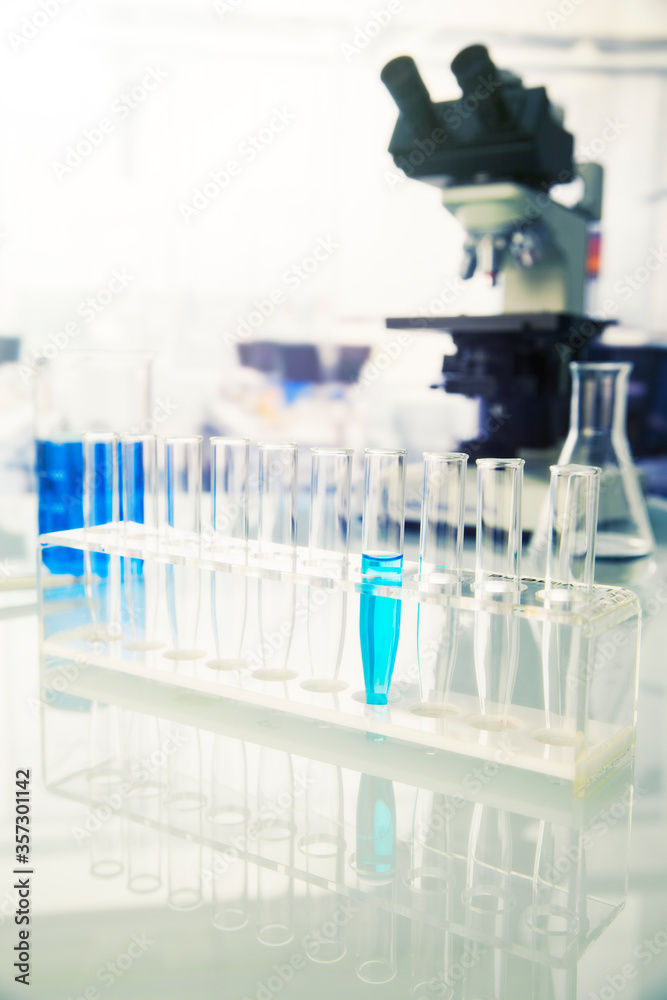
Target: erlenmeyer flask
<point x="598" y="437"/>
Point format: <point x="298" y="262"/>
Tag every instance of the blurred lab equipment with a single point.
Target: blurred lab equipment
<point x="496" y="152"/>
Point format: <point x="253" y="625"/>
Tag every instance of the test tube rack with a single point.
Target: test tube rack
<point x="107" y="623"/>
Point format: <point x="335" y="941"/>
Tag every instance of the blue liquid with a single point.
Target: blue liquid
<point x="376" y="825"/>
<point x="60" y="500"/>
<point x="379" y="626"/>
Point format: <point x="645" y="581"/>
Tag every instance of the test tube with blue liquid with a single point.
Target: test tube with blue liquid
<point x="381" y="563"/>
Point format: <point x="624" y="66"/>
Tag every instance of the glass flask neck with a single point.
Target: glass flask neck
<point x="599" y="397"/>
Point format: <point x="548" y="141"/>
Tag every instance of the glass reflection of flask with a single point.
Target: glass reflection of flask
<point x="598" y="437"/>
<point x="376" y="870"/>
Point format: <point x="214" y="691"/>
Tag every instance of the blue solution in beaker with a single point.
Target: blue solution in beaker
<point x="379" y="626"/>
<point x="60" y="500"/>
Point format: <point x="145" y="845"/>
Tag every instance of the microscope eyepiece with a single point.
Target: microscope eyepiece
<point x="473" y="67"/>
<point x="402" y="80"/>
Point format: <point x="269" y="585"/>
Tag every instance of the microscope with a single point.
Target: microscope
<point x="496" y="152"/>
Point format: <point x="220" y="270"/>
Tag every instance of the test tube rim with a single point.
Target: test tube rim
<point x="221" y="439"/>
<point x="500" y="463"/>
<point x="100" y="437"/>
<point x="189" y="439"/>
<point x="277" y="446"/>
<point x="324" y="450"/>
<point x="385" y="451"/>
<point x="127" y="438"/>
<point x="445" y="456"/>
<point x="572" y="469"/>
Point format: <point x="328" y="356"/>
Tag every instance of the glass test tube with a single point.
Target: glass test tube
<point x="381" y="563"/>
<point x="183" y="487"/>
<point x="499" y="487"/>
<point x="276" y="530"/>
<point x="496" y="640"/>
<point x="139" y="485"/>
<point x="229" y="593"/>
<point x="276" y="537"/>
<point x="573" y="512"/>
<point x="100" y="479"/>
<point x="441" y="541"/>
<point x="101" y="507"/>
<point x="329" y="545"/>
<point x="183" y="517"/>
<point x="229" y="488"/>
<point x="443" y="499"/>
<point x="139" y="494"/>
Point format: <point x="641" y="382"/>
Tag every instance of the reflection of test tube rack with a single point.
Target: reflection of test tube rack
<point x="318" y="632"/>
<point x="476" y="876"/>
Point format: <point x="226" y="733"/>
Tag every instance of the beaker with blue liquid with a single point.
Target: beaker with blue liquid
<point x="79" y="392"/>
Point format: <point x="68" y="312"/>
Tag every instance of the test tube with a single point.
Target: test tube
<point x="573" y="512"/>
<point x="276" y="536"/>
<point x="443" y="499"/>
<point x="496" y="639"/>
<point x="183" y="517"/>
<point x="441" y="540"/>
<point x="229" y="488"/>
<point x="276" y="531"/>
<point x="183" y="487"/>
<point x="100" y="479"/>
<point x="381" y="563"/>
<point x="229" y="593"/>
<point x="331" y="480"/>
<point x="100" y="508"/>
<point x="499" y="486"/>
<point x="139" y="485"/>
<point x="329" y="544"/>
